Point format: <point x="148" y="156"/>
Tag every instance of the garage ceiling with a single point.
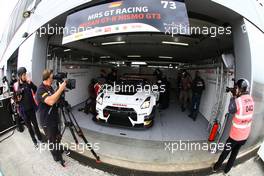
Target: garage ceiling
<point x="149" y="46"/>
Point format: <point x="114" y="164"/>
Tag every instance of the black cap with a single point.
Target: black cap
<point x="21" y="71"/>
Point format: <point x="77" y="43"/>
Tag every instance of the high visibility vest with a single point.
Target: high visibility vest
<point x="242" y="120"/>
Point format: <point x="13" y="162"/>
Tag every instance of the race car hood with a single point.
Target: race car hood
<point x="113" y="99"/>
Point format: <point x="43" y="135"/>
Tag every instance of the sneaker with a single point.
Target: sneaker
<point x="67" y="152"/>
<point x="35" y="144"/>
<point x="41" y="140"/>
<point x="62" y="162"/>
<point x="213" y="169"/>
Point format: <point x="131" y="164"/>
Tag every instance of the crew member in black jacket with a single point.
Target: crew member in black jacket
<point x="25" y="90"/>
<point x="198" y="86"/>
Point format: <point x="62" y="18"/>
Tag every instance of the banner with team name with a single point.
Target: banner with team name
<point x="124" y="17"/>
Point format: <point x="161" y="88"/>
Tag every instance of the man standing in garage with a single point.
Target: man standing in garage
<point x="198" y="87"/>
<point x="186" y="83"/>
<point x="112" y="77"/>
<point x="12" y="82"/>
<point x="242" y="106"/>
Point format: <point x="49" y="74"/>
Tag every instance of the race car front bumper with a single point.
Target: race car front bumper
<point x="127" y="117"/>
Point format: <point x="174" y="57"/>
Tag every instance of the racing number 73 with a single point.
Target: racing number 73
<point x="169" y="4"/>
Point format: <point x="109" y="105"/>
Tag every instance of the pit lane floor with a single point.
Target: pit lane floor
<point x="169" y="124"/>
<point x="18" y="157"/>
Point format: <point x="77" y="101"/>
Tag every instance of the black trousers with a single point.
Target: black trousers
<point x="31" y="123"/>
<point x="233" y="147"/>
<point x="54" y="137"/>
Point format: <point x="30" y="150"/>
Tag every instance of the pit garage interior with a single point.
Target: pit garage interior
<point x="143" y="53"/>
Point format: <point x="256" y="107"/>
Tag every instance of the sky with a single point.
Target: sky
<point x="6" y="7"/>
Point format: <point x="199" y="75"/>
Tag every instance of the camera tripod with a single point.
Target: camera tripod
<point x="73" y="125"/>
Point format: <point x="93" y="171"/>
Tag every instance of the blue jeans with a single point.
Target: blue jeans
<point x="196" y="98"/>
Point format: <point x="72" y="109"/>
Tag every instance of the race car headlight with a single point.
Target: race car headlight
<point x="145" y="104"/>
<point x="100" y="99"/>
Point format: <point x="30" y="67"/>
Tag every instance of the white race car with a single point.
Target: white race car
<point x="130" y="104"/>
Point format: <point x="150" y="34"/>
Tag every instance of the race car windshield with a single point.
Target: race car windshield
<point x="129" y="87"/>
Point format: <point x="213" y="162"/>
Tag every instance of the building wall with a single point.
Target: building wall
<point x="32" y="56"/>
<point x="247" y="50"/>
<point x="256" y="39"/>
<point x="83" y="78"/>
<point x="242" y="52"/>
<point x="249" y="8"/>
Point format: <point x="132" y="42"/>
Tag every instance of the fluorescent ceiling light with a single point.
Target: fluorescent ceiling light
<point x="84" y="58"/>
<point x="118" y="62"/>
<point x="113" y="43"/>
<point x="137" y="66"/>
<point x="139" y="63"/>
<point x="105" y="57"/>
<point x="156" y="66"/>
<point x="66" y="50"/>
<point x="165" y="57"/>
<point x="133" y="56"/>
<point x="175" y="43"/>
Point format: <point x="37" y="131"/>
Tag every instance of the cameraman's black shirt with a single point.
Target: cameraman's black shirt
<point x="49" y="115"/>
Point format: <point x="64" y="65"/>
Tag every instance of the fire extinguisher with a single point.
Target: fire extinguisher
<point x="214" y="131"/>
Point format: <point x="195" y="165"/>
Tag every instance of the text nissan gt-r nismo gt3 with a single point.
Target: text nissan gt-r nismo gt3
<point x="123" y="107"/>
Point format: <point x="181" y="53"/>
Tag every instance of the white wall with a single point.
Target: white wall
<point x="242" y="52"/>
<point x="256" y="39"/>
<point x="25" y="54"/>
<point x="32" y="56"/>
<point x="83" y="78"/>
<point x="39" y="59"/>
<point x="250" y="9"/>
<point x="45" y="11"/>
<point x="208" y="99"/>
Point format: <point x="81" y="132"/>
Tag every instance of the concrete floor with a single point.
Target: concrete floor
<point x="18" y="157"/>
<point x="131" y="149"/>
<point x="170" y="124"/>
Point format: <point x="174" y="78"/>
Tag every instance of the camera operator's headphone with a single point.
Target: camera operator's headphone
<point x="243" y="85"/>
<point x="21" y="71"/>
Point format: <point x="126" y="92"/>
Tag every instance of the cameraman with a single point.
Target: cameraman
<point x="24" y="90"/>
<point x="6" y="89"/>
<point x="12" y="82"/>
<point x="49" y="115"/>
<point x="242" y="107"/>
